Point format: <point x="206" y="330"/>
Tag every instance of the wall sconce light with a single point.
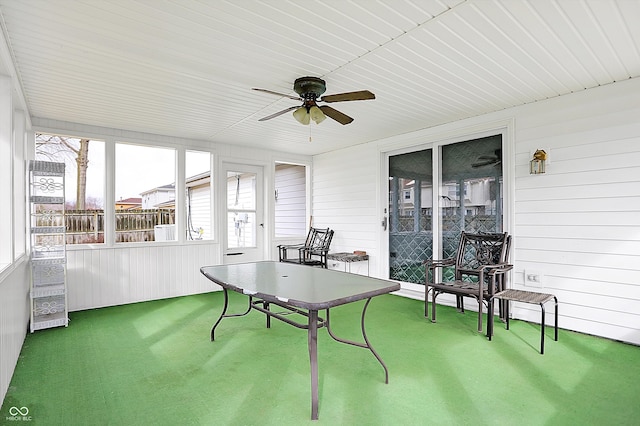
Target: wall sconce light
<point x="536" y="165"/>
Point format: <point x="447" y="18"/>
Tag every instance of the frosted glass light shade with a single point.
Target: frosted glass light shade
<point x="316" y="114"/>
<point x="302" y="116"/>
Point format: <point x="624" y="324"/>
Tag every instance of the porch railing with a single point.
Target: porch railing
<point x="87" y="226"/>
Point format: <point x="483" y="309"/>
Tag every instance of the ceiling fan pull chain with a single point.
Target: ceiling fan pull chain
<point x="310" y="125"/>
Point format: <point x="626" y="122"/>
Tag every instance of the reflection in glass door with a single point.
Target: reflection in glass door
<point x="469" y="199"/>
<point x="410" y="210"/>
<point x="470" y="189"/>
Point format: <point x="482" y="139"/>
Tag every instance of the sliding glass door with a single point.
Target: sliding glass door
<point x="410" y="210"/>
<point x="468" y="197"/>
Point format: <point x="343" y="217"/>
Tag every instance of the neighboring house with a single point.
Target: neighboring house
<point x="153" y="198"/>
<point x="198" y="204"/>
<point x="131" y="203"/>
<point x="199" y="207"/>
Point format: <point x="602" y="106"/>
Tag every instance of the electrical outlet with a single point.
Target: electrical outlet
<point x="532" y="278"/>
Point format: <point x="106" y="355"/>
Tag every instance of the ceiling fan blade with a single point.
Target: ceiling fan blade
<point x="481" y="164"/>
<point x="279" y="113"/>
<point x="271" y="92"/>
<point x="336" y="115"/>
<point x="361" y="95"/>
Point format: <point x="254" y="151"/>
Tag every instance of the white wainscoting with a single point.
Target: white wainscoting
<point x="14" y="319"/>
<point x="99" y="277"/>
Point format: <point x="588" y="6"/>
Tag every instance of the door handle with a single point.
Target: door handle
<point x="384" y="223"/>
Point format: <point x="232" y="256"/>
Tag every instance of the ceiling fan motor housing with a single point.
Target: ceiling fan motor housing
<point x="309" y="87"/>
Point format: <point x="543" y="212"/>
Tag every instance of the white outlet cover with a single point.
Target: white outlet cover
<point x="532" y="278"/>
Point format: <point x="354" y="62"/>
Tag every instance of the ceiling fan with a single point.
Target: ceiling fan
<point x="488" y="160"/>
<point x="310" y="90"/>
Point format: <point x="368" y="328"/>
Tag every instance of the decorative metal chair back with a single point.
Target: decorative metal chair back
<point x="477" y="250"/>
<point x="320" y="240"/>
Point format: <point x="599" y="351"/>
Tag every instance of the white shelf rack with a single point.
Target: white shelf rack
<point x="48" y="238"/>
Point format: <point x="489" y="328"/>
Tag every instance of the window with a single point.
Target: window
<point x="84" y="183"/>
<point x="145" y="193"/>
<point x="241" y="209"/>
<point x="290" y="200"/>
<point x="19" y="173"/>
<point x="6" y="202"/>
<point x="198" y="193"/>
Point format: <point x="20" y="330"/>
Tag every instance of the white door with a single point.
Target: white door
<point x="243" y="236"/>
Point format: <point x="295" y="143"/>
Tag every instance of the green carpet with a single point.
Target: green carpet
<point x="153" y="364"/>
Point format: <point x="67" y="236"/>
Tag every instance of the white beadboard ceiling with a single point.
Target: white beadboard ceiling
<point x="185" y="68"/>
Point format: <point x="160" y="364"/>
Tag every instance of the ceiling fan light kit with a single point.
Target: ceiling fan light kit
<point x="305" y="114"/>
<point x="310" y="90"/>
<point x="316" y="114"/>
<point x="302" y="115"/>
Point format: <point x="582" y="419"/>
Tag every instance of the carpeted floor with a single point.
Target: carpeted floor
<point x="153" y="364"/>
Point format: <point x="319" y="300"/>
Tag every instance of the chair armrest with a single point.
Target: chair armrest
<point x="496" y="269"/>
<point x="439" y="263"/>
<point x="290" y="246"/>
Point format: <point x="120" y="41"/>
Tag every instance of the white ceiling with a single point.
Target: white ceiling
<point x="185" y="68"/>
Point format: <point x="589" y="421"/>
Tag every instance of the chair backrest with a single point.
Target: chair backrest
<point x="310" y="237"/>
<point x="476" y="250"/>
<point x="321" y="240"/>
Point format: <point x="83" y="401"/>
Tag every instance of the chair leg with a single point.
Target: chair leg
<point x="433" y="305"/>
<point x="506" y="313"/>
<point x="426" y="301"/>
<point x="490" y="320"/>
<point x="480" y="316"/>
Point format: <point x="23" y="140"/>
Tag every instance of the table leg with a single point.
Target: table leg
<point x="366" y="344"/>
<point x="224" y="311"/>
<point x="313" y="358"/>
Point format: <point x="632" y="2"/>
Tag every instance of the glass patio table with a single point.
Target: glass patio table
<point x="302" y="290"/>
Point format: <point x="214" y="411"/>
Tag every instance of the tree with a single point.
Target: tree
<point x="61" y="148"/>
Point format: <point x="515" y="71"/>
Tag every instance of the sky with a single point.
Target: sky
<point x="138" y="169"/>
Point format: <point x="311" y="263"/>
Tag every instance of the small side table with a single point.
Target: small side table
<point x="348" y="259"/>
<point x="524" y="296"/>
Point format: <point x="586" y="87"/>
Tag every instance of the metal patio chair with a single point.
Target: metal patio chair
<point x="479" y="271"/>
<point x="313" y="252"/>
